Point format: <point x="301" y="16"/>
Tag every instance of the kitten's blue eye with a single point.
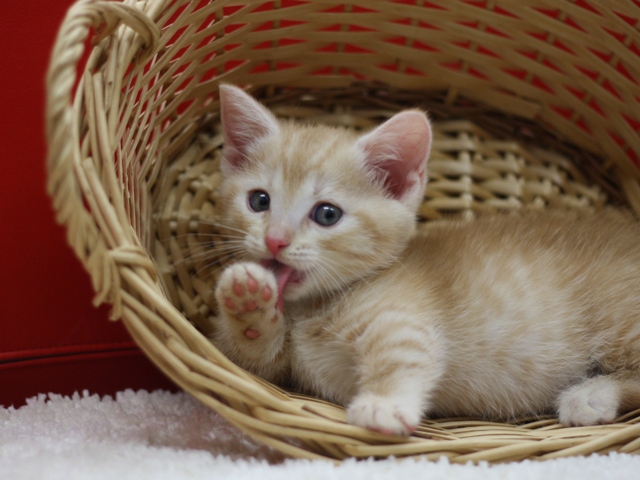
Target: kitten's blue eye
<point x="259" y="200"/>
<point x="326" y="214"/>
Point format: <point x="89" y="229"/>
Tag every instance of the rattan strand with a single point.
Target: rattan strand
<point x="133" y="148"/>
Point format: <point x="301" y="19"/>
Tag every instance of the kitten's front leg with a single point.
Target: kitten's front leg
<point x="400" y="363"/>
<point x="251" y="329"/>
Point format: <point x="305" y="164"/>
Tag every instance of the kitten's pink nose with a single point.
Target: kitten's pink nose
<point x="275" y="244"/>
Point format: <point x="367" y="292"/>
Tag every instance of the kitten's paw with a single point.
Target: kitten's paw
<point x="384" y="414"/>
<point x="248" y="292"/>
<point x="593" y="402"/>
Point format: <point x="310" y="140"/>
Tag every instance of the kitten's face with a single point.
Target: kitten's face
<point x="308" y="189"/>
<point x="322" y="207"/>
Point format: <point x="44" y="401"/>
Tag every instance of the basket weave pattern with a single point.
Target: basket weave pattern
<point x="133" y="152"/>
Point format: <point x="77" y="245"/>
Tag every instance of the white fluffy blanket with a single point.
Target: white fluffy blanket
<point x="160" y="435"/>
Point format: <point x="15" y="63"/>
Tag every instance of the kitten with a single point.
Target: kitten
<point x="494" y="318"/>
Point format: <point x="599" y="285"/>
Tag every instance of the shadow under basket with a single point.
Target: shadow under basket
<point x="535" y="105"/>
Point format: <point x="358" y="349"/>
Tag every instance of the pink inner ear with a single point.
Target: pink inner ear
<point x="398" y="150"/>
<point x="244" y="121"/>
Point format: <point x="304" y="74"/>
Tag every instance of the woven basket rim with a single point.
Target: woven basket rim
<point x="104" y="229"/>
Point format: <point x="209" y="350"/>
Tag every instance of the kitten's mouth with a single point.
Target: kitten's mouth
<point x="285" y="275"/>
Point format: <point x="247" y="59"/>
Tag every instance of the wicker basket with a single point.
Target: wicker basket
<point x="134" y="148"/>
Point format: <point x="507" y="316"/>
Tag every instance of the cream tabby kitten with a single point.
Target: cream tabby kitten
<point x="492" y="318"/>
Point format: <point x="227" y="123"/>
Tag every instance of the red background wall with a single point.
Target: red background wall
<point x="51" y="337"/>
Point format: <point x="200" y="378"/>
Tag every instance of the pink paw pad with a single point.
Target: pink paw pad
<point x="266" y="294"/>
<point x="238" y="289"/>
<point x="229" y="303"/>
<point x="250" y="305"/>
<point x="252" y="285"/>
<point x="251" y="333"/>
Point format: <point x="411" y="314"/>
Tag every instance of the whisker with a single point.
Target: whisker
<point x="210" y="264"/>
<point x="217" y="245"/>
<point x="215" y="242"/>
<point x="203" y="234"/>
<point x="393" y="258"/>
<point x="329" y="275"/>
<point x="217" y="224"/>
<point x="206" y="246"/>
<point x="199" y="256"/>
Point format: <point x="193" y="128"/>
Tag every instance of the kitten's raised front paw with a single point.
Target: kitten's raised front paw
<point x="593" y="402"/>
<point x="385" y="414"/>
<point x="247" y="292"/>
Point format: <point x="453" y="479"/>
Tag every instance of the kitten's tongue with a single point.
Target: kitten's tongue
<point x="282" y="273"/>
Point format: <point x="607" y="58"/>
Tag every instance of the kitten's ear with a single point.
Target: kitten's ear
<point x="397" y="153"/>
<point x="244" y="121"/>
